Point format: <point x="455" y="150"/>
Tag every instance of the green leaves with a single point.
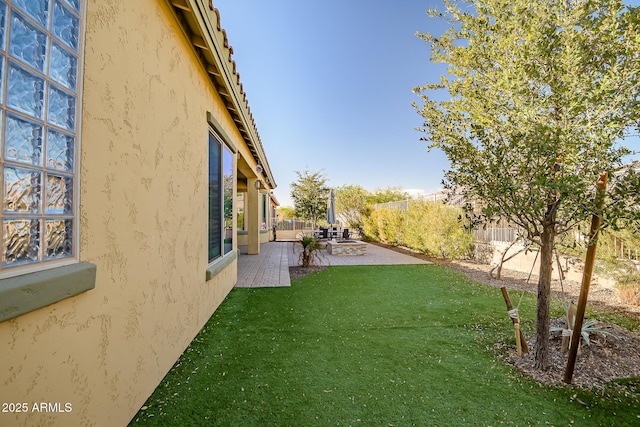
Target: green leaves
<point x="433" y="228"/>
<point x="310" y="195"/>
<point x="310" y="250"/>
<point x="351" y="203"/>
<point x="539" y="95"/>
<point x="532" y="86"/>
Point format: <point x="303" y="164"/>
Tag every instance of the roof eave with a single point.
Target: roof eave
<point x="200" y="22"/>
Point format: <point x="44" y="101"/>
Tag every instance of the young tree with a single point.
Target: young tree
<point x="286" y="212"/>
<point x="536" y="97"/>
<point x="351" y="202"/>
<point x="310" y="194"/>
<point x="385" y="195"/>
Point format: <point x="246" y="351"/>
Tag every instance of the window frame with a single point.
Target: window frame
<point x="215" y="226"/>
<point x="49" y="84"/>
<point x="29" y="287"/>
<point x="224" y="259"/>
<point x="263" y="221"/>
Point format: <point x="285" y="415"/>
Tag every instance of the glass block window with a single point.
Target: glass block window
<point x="39" y="103"/>
<point x="221" y="200"/>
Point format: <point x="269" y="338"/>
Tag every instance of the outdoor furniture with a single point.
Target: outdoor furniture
<point x="322" y="233"/>
<point x="345" y="234"/>
<point x="325" y="233"/>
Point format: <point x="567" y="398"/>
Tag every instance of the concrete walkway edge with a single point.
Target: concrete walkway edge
<point x="270" y="268"/>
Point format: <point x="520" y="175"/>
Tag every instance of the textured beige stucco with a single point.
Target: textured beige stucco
<point x="143" y="223"/>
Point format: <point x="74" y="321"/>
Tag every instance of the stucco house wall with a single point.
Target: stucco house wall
<point x="143" y="223"/>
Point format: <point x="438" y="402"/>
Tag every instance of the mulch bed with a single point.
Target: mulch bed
<point x="299" y="271"/>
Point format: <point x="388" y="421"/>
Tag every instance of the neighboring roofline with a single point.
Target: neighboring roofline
<point x="200" y="21"/>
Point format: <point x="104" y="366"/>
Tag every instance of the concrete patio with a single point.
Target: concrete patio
<point x="270" y="268"/>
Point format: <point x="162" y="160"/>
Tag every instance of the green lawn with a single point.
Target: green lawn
<point x="369" y="346"/>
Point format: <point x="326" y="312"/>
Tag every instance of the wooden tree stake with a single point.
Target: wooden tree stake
<point x="571" y="320"/>
<point x="586" y="277"/>
<point x="521" y="340"/>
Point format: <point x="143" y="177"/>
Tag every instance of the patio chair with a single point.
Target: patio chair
<point x="325" y="233"/>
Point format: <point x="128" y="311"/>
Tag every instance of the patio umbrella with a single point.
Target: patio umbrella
<point x="331" y="209"/>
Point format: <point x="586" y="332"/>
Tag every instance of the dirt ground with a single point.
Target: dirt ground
<point x="610" y="356"/>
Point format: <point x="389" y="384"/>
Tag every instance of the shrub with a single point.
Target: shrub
<point x="384" y="225"/>
<point x="310" y="248"/>
<point x="370" y="226"/>
<point x="629" y="288"/>
<point x="432" y="228"/>
<point x="629" y="294"/>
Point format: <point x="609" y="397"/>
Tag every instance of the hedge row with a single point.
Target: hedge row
<point x="433" y="228"/>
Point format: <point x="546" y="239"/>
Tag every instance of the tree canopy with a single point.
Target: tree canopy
<point x="536" y="99"/>
<point x="385" y="195"/>
<point x="354" y="201"/>
<point x="351" y="203"/>
<point x="310" y="194"/>
<point x="286" y="212"/>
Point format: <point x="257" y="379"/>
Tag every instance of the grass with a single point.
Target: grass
<point x="369" y="346"/>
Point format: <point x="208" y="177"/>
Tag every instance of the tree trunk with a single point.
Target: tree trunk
<point x="544" y="292"/>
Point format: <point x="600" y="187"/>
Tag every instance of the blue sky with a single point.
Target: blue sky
<point x="330" y="84"/>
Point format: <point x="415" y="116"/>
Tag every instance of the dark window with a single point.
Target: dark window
<point x="220" y="198"/>
<point x="227" y="167"/>
<point x="215" y="199"/>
